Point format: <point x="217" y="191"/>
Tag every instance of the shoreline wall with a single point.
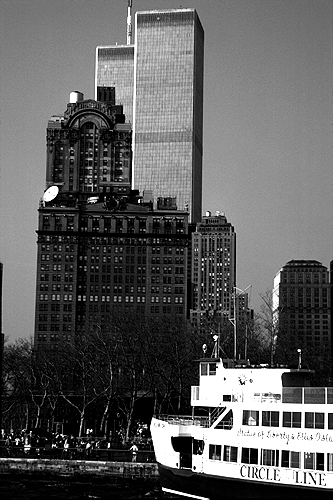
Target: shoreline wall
<point x="79" y="468"/>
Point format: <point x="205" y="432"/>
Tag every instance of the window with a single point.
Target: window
<point x="208" y="368"/>
<point x="309" y="460"/>
<point x="249" y="455"/>
<point x="330" y="420"/>
<point x="290" y="459"/>
<point x="250" y="417"/>
<point x="270" y="457"/>
<point x="292" y="419"/>
<point x="314" y="420"/>
<point x="330" y="462"/>
<point x="215" y="452"/>
<point x="270" y="418"/>
<point x="230" y="453"/>
<point x="212" y="368"/>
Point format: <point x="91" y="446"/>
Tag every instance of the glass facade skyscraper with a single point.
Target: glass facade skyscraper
<point x="167" y="103"/>
<point x="115" y="68"/>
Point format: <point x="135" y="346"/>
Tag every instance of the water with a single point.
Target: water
<point x="41" y="487"/>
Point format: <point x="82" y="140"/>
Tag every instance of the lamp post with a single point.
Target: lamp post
<point x="299" y="358"/>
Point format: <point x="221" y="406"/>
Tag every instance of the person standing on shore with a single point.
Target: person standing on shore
<point x="134" y="449"/>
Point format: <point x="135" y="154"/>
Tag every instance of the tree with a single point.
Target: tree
<point x="17" y="383"/>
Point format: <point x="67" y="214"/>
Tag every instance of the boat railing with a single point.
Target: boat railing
<point x="185" y="420"/>
<point x="298" y="395"/>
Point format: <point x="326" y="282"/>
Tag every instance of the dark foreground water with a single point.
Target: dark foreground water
<point x="33" y="487"/>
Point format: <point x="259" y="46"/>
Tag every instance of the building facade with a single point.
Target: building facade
<point x="165" y="67"/>
<point x="213" y="268"/>
<point x="301" y="305"/>
<point x="102" y="248"/>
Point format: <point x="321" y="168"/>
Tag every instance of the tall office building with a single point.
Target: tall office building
<point x="301" y="304"/>
<point x="115" y="68"/>
<point x="165" y="67"/>
<point x="102" y="248"/>
<point x="213" y="268"/>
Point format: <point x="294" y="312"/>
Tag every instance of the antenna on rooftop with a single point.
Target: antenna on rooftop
<point x="129" y="22"/>
<point x="236" y="293"/>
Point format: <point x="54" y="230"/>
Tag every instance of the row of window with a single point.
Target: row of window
<point x="55" y="317"/>
<point x="169" y="244"/>
<point x="312" y="420"/>
<point x="55" y="297"/>
<point x="57" y="267"/>
<point x="55" y="337"/>
<point x="57" y="248"/>
<point x="56" y="257"/>
<point x="285" y="458"/>
<point x="120" y="269"/>
<point x="127" y="298"/>
<point x="119" y="227"/>
<point x="43" y="327"/>
<point x="44" y="287"/>
<point x="305" y="277"/>
<point x="56" y="277"/>
<point x="55" y="307"/>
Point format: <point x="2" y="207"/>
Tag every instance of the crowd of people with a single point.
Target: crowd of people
<point x="70" y="447"/>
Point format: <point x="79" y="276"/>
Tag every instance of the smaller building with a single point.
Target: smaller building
<point x="301" y="307"/>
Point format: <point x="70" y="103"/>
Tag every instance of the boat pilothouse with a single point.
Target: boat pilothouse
<point x="254" y="431"/>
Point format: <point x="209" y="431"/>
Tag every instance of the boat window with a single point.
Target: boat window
<point x="204" y="368"/>
<point x="208" y="369"/>
<point x="330" y="462"/>
<point x="292" y="419"/>
<point x="314" y="420"/>
<point x="249" y="455"/>
<point x="215" y="452"/>
<point x="330" y="420"/>
<point x="270" y="457"/>
<point x="290" y="459"/>
<point x="250" y="417"/>
<point x="309" y="460"/>
<point x="230" y="453"/>
<point x="270" y="418"/>
<point x="226" y="422"/>
<point x="319" y="461"/>
<point x="212" y="368"/>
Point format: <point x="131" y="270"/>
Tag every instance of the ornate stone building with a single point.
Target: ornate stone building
<point x="102" y="248"/>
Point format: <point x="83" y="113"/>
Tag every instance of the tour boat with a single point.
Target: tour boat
<point x="254" y="431"/>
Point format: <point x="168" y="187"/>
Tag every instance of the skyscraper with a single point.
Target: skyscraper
<point x="115" y="68"/>
<point x="213" y="267"/>
<point x="167" y="102"/>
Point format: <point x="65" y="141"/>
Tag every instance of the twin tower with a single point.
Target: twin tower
<point x="159" y="82"/>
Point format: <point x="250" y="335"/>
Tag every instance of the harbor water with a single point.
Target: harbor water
<point x="41" y="487"/>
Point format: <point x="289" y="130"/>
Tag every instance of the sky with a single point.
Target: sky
<point x="267" y="160"/>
